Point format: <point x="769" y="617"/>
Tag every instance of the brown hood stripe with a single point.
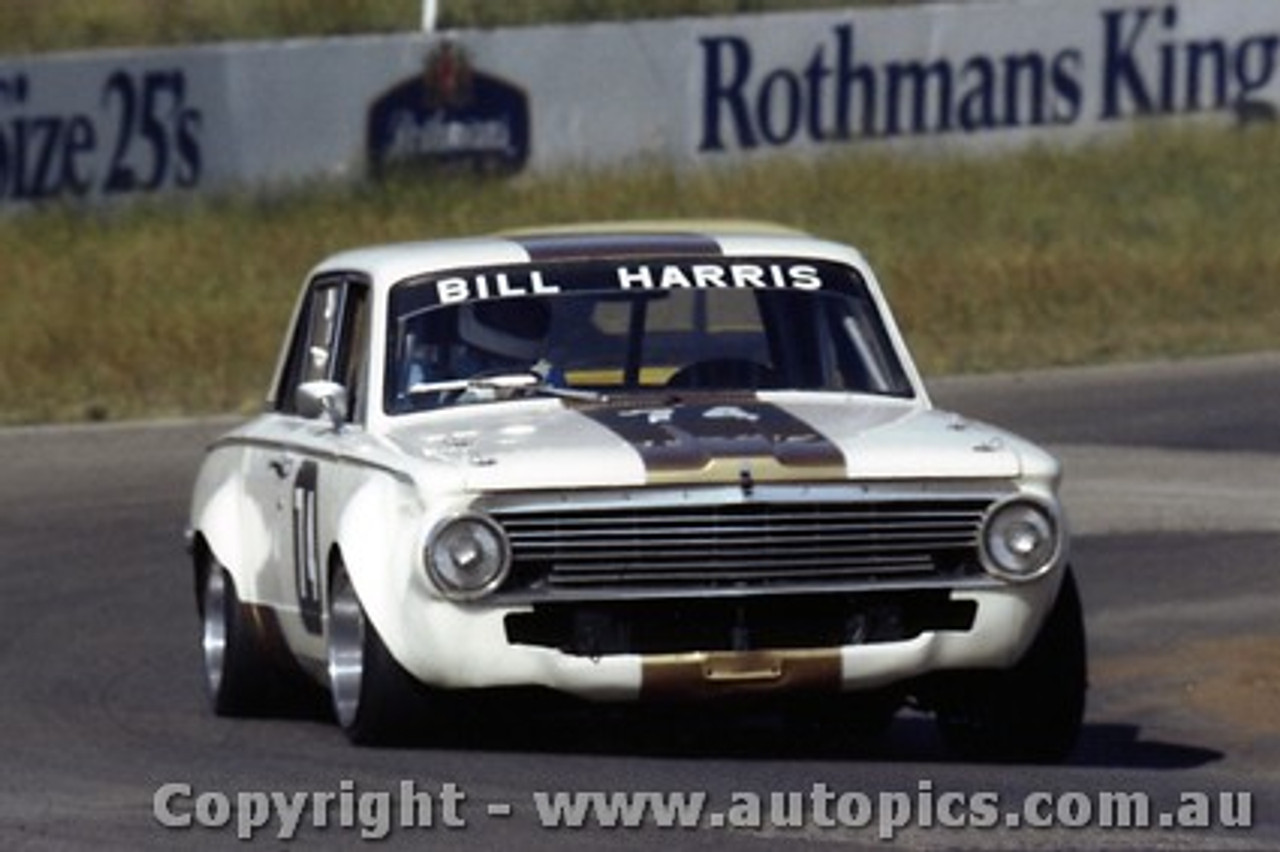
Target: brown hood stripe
<point x="721" y="440"/>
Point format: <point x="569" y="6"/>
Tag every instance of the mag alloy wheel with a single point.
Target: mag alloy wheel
<point x="375" y="700"/>
<point x="346" y="650"/>
<point x="238" y="674"/>
<point x="213" y="640"/>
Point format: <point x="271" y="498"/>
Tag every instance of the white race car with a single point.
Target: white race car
<point x="644" y="462"/>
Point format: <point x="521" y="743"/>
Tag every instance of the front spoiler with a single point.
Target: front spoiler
<point x="453" y="647"/>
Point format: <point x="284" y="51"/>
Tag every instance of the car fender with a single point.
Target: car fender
<point x="1012" y="622"/>
<point x="378" y="537"/>
<point x="230" y="523"/>
<point x="381" y="533"/>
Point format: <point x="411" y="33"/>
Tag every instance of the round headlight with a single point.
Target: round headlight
<point x="1020" y="540"/>
<point x="467" y="556"/>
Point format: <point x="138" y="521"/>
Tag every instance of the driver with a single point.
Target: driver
<point x="503" y="336"/>
<point x="475" y="340"/>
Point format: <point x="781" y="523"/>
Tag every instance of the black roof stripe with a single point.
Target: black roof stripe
<point x="551" y="247"/>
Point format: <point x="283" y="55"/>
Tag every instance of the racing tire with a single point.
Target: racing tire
<point x="1032" y="712"/>
<point x="375" y="701"/>
<point x="238" y="675"/>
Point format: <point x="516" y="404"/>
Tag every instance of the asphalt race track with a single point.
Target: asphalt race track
<point x="1173" y="474"/>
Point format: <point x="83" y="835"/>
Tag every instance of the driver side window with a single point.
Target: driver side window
<point x="330" y="343"/>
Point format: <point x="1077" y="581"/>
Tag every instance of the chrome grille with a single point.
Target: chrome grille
<point x="744" y="544"/>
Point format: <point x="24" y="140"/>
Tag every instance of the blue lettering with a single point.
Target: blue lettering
<point x="815" y="77"/>
<point x="1036" y="91"/>
<point x="44" y="135"/>
<point x="854" y="84"/>
<point x="1066" y="76"/>
<point x="978" y="109"/>
<point x="1169" y="65"/>
<point x="41" y="156"/>
<point x="81" y="141"/>
<point x="909" y="85"/>
<point x="47" y="155"/>
<point x="190" y="160"/>
<point x="822" y="100"/>
<point x="724" y="88"/>
<point x="1145" y="74"/>
<point x="778" y="107"/>
<point x="1121" y="73"/>
<point x="1255" y="64"/>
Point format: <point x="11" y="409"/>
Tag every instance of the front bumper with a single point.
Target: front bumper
<point x="456" y="646"/>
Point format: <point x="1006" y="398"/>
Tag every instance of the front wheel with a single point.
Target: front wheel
<point x="374" y="699"/>
<point x="1032" y="712"/>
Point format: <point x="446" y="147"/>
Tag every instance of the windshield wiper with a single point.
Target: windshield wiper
<point x="505" y="386"/>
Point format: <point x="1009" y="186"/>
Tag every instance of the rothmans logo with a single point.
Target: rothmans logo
<point x="449" y="115"/>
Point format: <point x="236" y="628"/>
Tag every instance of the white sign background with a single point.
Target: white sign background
<point x="977" y="76"/>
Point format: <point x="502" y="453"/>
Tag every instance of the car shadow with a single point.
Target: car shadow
<point x="1117" y="746"/>
<point x="541" y="725"/>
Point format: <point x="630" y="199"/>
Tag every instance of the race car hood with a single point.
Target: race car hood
<point x="786" y="436"/>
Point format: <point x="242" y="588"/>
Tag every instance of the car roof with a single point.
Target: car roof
<point x="387" y="264"/>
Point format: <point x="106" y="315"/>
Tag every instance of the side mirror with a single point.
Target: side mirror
<point x="323" y="399"/>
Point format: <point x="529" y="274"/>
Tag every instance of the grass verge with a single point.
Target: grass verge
<point x="33" y="26"/>
<point x="1158" y="246"/>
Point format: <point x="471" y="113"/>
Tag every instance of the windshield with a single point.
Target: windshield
<point x="616" y="328"/>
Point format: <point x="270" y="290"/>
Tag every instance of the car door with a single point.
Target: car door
<point x="287" y="465"/>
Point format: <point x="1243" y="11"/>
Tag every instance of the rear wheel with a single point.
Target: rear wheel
<point x="237" y="671"/>
<point x="1029" y="713"/>
<point x="374" y="699"/>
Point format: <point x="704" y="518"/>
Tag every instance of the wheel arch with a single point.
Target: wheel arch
<point x="377" y="542"/>
<point x="201" y="560"/>
<point x="226" y="525"/>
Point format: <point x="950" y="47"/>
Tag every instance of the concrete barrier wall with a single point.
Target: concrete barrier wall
<point x="977" y="76"/>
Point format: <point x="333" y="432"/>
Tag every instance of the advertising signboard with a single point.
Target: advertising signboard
<point x="976" y="76"/>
